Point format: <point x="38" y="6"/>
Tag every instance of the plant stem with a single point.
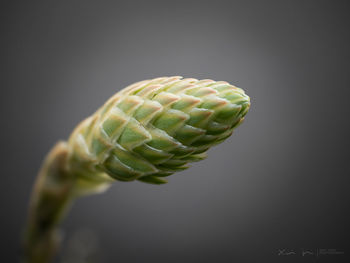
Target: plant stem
<point x="51" y="197"/>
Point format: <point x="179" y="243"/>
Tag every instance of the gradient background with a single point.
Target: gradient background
<point x="280" y="182"/>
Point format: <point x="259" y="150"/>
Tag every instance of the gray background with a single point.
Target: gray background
<point x="281" y="181"/>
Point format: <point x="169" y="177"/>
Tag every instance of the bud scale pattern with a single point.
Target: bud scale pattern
<point x="154" y="128"/>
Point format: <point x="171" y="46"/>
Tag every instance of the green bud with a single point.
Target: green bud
<point x="154" y="128"/>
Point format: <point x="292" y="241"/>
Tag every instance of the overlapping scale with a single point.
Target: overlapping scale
<point x="154" y="128"/>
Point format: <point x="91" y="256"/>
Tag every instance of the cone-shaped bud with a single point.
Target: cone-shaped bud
<point x="154" y="128"/>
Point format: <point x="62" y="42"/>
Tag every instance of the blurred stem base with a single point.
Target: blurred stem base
<point x="51" y="197"/>
<point x="56" y="187"/>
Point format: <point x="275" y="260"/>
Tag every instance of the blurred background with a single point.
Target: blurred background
<point x="280" y="183"/>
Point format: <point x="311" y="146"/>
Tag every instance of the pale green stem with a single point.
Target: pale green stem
<point x="51" y="197"/>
